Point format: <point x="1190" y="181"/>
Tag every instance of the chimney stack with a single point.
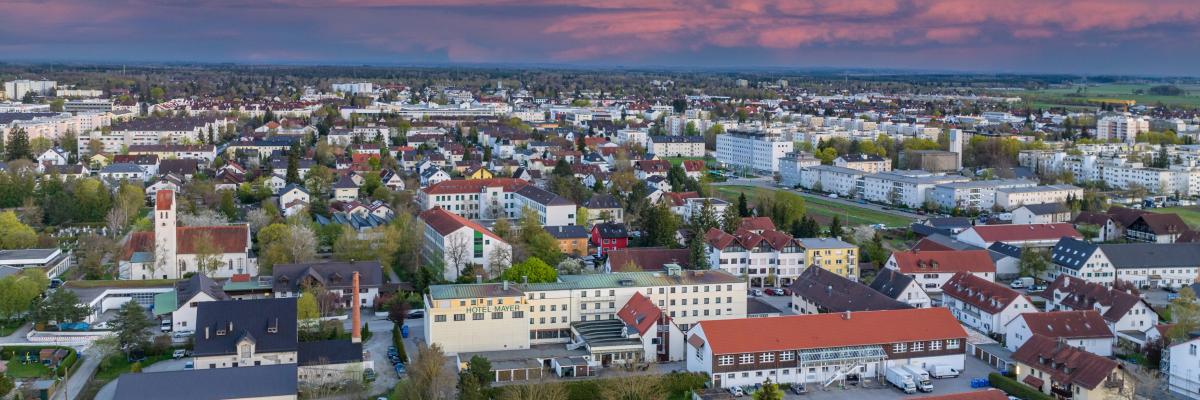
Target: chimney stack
<point x="356" y="318"/>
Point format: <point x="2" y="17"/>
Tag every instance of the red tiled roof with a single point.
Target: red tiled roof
<point x="460" y="186"/>
<point x="445" y="222"/>
<point x="818" y="331"/>
<point x="139" y="242"/>
<point x="1017" y="233"/>
<point x="640" y="313"/>
<point x="1055" y="359"/>
<point x="647" y="258"/>
<point x="693" y="165"/>
<point x="677" y="198"/>
<point x="758" y="224"/>
<point x="928" y="245"/>
<point x="1033" y="381"/>
<point x="911" y="262"/>
<point x="225" y="239"/>
<point x="981" y="293"/>
<point x="653" y="166"/>
<point x="1069" y="324"/>
<point x="986" y="394"/>
<point x="163" y="199"/>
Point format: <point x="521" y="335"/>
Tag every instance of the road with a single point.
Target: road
<point x="768" y="184"/>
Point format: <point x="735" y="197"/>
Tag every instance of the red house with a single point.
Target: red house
<point x="609" y="236"/>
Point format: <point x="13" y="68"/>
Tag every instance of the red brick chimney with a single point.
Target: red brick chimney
<point x="356" y="318"/>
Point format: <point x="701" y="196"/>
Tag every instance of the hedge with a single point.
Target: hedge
<point x="398" y="341"/>
<point x="1014" y="388"/>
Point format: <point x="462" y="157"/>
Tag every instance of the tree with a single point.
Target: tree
<point x="474" y="383"/>
<point x="630" y="386"/>
<point x="705" y="219"/>
<point x="306" y="307"/>
<point x="61" y="306"/>
<point x="769" y="391"/>
<point x="132" y="326"/>
<point x="730" y="222"/>
<point x="350" y="247"/>
<point x="743" y="207"/>
<point x="19" y="291"/>
<point x="428" y="379"/>
<point x="18" y="146"/>
<point x="538" y="391"/>
<point x="660" y="225"/>
<point x="203" y="217"/>
<point x="208" y="255"/>
<point x="282" y="244"/>
<point x="227" y="206"/>
<point x="697" y="256"/>
<point x="835" y="227"/>
<point x="533" y="268"/>
<point x="1186" y="314"/>
<point x="1033" y="263"/>
<point x="14" y="234"/>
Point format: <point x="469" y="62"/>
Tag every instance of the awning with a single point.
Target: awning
<point x="1033" y="381"/>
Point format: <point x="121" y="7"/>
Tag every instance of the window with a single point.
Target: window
<point x="498" y="315"/>
<point x="439" y="318"/>
<point x="899" y="347"/>
<point x="725" y="360"/>
<point x="935" y="345"/>
<point x="518" y="314"/>
<point x="952" y="344"/>
<point x="746" y="359"/>
<point x="767" y="357"/>
<point x="477" y="316"/>
<point x="787" y="356"/>
<point x="460" y="317"/>
<point x="918" y="346"/>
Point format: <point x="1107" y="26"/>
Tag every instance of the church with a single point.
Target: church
<point x="171" y="251"/>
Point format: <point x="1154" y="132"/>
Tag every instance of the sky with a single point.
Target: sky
<point x="1140" y="37"/>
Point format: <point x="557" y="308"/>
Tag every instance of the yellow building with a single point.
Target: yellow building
<point x="832" y="255"/>
<point x="479" y="173"/>
<point x="572" y="239"/>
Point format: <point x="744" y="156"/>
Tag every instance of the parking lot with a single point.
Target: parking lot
<point x="881" y="390"/>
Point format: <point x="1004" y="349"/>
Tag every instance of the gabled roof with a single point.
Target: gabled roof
<point x="270" y="323"/>
<point x="640" y="313"/>
<point x="602" y="201"/>
<point x="1027" y="232"/>
<point x="327" y="352"/>
<point x="224" y="239"/>
<point x="459" y="186"/>
<point x="940" y="242"/>
<point x="330" y="275"/>
<point x="1072" y="253"/>
<point x="986" y="394"/>
<point x="1152" y="255"/>
<point x="831" y="292"/>
<point x="891" y="283"/>
<point x="757" y="224"/>
<point x="611" y="230"/>
<point x="1079" y="294"/>
<point x="1161" y="224"/>
<point x="981" y="293"/>
<point x="916" y="262"/>
<point x="445" y="223"/>
<point x="562" y="232"/>
<point x="246" y="382"/>
<point x="1065" y="363"/>
<point x="543" y="196"/>
<point x="819" y="331"/>
<point x="1046" y="208"/>
<point x="199" y="283"/>
<point x="1087" y="324"/>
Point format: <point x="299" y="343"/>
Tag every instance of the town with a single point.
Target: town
<point x="412" y="238"/>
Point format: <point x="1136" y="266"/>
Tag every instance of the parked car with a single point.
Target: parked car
<point x="179" y="353"/>
<point x="756" y="292"/>
<point x="166" y="325"/>
<point x="369" y="375"/>
<point x="416" y="314"/>
<point x="737" y="391"/>
<point x="943" y="371"/>
<point x="400" y="370"/>
<point x="798" y="388"/>
<point x="775" y="292"/>
<point x="189" y="365"/>
<point x="181" y="334"/>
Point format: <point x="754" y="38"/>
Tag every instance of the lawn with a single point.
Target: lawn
<point x="824" y="210"/>
<point x="1190" y="214"/>
<point x="31" y="370"/>
<point x="118" y="364"/>
<point x="679" y="160"/>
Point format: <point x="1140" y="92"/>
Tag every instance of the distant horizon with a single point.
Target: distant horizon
<point x="1152" y="38"/>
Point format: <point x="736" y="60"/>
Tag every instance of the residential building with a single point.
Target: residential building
<point x="17" y="89"/>
<point x="791" y="166"/>
<point x="831" y="254"/>
<point x="933" y="269"/>
<point x="676" y="146"/>
<point x="644" y="259"/>
<point x="908" y="188"/>
<point x="752" y="151"/>
<point x="772" y="258"/>
<point x="458" y="243"/>
<point x="900" y="287"/>
<point x="983" y="305"/>
<point x="1048" y="213"/>
<point x="817" y="291"/>
<point x="609" y="236"/>
<point x="973" y="195"/>
<point x="204" y="153"/>
<point x="1123" y="128"/>
<point x="604" y="208"/>
<point x="1083" y="329"/>
<point x="821" y="349"/>
<point x="869" y="163"/>
<point x="1012" y="197"/>
<point x="1156" y="228"/>
<point x="572" y="239"/>
<point x="170" y="251"/>
<point x="1183" y="368"/>
<point x="831" y="179"/>
<point x="1080" y="259"/>
<point x="1062" y="371"/>
<point x="1029" y="235"/>
<point x="475" y="198"/>
<point x="1155" y="265"/>
<point x="152" y="131"/>
<point x="1128" y="316"/>
<point x="551" y="209"/>
<point x="181" y="304"/>
<point x="517" y="316"/>
<point x="335" y="278"/>
<point x="245" y="333"/>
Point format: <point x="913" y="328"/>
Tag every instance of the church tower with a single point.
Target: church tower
<point x="165" y="250"/>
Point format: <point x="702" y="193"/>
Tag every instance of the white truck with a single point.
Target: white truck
<point x="943" y="371"/>
<point x="901" y="379"/>
<point x="920" y="377"/>
<point x="1022" y="283"/>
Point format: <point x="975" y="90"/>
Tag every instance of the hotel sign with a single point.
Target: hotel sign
<point x="491" y="309"/>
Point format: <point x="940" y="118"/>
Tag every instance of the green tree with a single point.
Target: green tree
<point x="697" y="257"/>
<point x="743" y="207"/>
<point x="769" y="391"/>
<point x="474" y="382"/>
<point x="1033" y="263"/>
<point x="835" y="227"/>
<point x="1185" y="312"/>
<point x="659" y="225"/>
<point x="542" y="245"/>
<point x="306" y="307"/>
<point x="533" y="268"/>
<point x="19" y="291"/>
<point x="18" y="146"/>
<point x="14" y="234"/>
<point x="61" y="306"/>
<point x="705" y="219"/>
<point x="132" y="326"/>
<point x="227" y="206"/>
<point x="730" y="222"/>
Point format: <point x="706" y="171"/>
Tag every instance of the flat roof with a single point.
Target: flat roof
<point x="589" y="281"/>
<point x="28" y="256"/>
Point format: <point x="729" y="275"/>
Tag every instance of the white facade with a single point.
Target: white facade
<point x="16" y="90"/>
<point x="1123" y="128"/>
<point x="983" y="320"/>
<point x="752" y="151"/>
<point x="831" y="179"/>
<point x="974" y="195"/>
<point x="906" y="188"/>
<point x="1183" y="374"/>
<point x="792" y="165"/>
<point x="464" y="245"/>
<point x="1017" y="332"/>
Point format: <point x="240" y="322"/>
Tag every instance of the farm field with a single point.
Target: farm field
<point x="1070" y="98"/>
<point x="1190" y="214"/>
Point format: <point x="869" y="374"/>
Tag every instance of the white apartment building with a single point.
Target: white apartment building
<point x="1123" y="128"/>
<point x="54" y="125"/>
<point x="1183" y="374"/>
<point x="676" y="146"/>
<point x="909" y="188"/>
<point x="458" y="243"/>
<point x="552" y="209"/>
<point x="1012" y="197"/>
<point x="1083" y="329"/>
<point x="16" y="90"/>
<point x="1127" y="315"/>
<point x="353" y="88"/>
<point x="518" y="315"/>
<point x="756" y="256"/>
<point x="755" y="151"/>
<point x="983" y="305"/>
<point x="152" y="131"/>
<point x="474" y="198"/>
<point x="831" y="179"/>
<point x="791" y="167"/>
<point x="974" y="195"/>
<point x="631" y="136"/>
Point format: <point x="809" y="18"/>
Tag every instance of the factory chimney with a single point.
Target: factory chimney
<point x="355" y="315"/>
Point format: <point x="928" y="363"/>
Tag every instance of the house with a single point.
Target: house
<point x="660" y="338"/>
<point x="118" y="172"/>
<point x="870" y="163"/>
<point x="609" y="236"/>
<point x="345" y="189"/>
<point x="551" y="209"/>
<point x="1083" y="329"/>
<point x="457" y="243"/>
<point x="901" y="287"/>
<point x="1183" y="372"/>
<point x="337" y="278"/>
<point x="332" y="361"/>
<point x="572" y="239"/>
<point x="170" y="251"/>
<point x="1155" y="265"/>
<point x="831" y="254"/>
<point x="1030" y="235"/>
<point x="181" y="304"/>
<point x="293" y="199"/>
<point x="1059" y="370"/>
<point x="1156" y="228"/>
<point x="932" y="269"/>
<point x="1080" y="259"/>
<point x="644" y="259"/>
<point x="1129" y="317"/>
<point x="1047" y="213"/>
<point x="478" y="172"/>
<point x="53" y="156"/>
<point x="1110" y="224"/>
<point x="773" y="258"/>
<point x="694" y="169"/>
<point x="818" y="291"/>
<point x="266" y="382"/>
<point x="740" y="352"/>
<point x="392" y="179"/>
<point x="244" y="333"/>
<point x="604" y="208"/>
<point x="647" y="168"/>
<point x="981" y="304"/>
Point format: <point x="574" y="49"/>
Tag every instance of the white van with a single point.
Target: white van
<point x="943" y="371"/>
<point x="166" y="325"/>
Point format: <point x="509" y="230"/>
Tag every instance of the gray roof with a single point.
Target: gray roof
<point x="567" y="232"/>
<point x="8" y="118"/>
<point x="949" y="222"/>
<point x="198" y="283"/>
<point x="543" y="196"/>
<point x="331" y="275"/>
<point x="1047" y="208"/>
<point x="891" y="282"/>
<point x="325" y="352"/>
<point x="1005" y="249"/>
<point x="602" y="201"/>
<point x="1152" y="255"/>
<point x="249" y="319"/>
<point x="121" y="168"/>
<point x="831" y="292"/>
<point x="677" y="139"/>
<point x="1072" y="253"/>
<point x="209" y="384"/>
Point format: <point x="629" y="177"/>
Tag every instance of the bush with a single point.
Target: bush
<point x="583" y="390"/>
<point x="136" y="367"/>
<point x="398" y="341"/>
<point x="1014" y="388"/>
<point x="6" y="385"/>
<point x="683" y="382"/>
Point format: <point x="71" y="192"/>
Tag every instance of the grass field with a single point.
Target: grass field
<point x="679" y="160"/>
<point x="1190" y="214"/>
<point x="823" y="210"/>
<point x="1068" y="97"/>
<point x="16" y="369"/>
